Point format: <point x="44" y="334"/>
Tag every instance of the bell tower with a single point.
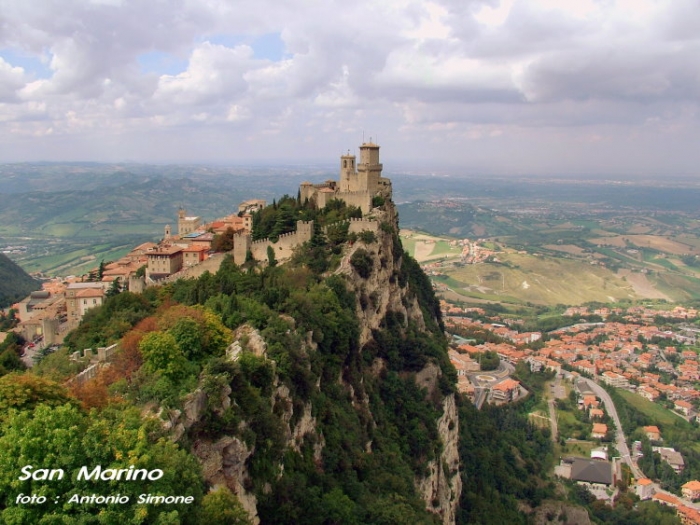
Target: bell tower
<point x="348" y="175"/>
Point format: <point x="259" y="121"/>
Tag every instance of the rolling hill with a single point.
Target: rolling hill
<point x="15" y="283"/>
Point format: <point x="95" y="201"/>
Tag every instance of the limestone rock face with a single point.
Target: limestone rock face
<point x="246" y="338"/>
<point x="224" y="460"/>
<point x="380" y="292"/>
<point x="224" y="463"/>
<point x="442" y="488"/>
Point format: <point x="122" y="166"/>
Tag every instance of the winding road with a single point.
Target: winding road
<point x="620" y="441"/>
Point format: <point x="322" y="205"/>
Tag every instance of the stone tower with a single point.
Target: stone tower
<point x="348" y="175"/>
<point x="168" y="232"/>
<point x="369" y="170"/>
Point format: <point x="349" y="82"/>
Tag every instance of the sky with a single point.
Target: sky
<point x="552" y="87"/>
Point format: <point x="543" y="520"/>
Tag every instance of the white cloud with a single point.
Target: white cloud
<point x="443" y="71"/>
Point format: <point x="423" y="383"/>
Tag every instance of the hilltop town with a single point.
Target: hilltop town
<point x="46" y="316"/>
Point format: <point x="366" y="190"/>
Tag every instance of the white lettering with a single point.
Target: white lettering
<point x="41" y="474"/>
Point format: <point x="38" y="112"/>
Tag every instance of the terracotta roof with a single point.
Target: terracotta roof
<point x="667" y="499"/>
<point x="90" y="292"/>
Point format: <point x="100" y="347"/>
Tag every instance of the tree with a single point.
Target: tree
<point x="26" y="391"/>
<point x="221" y="507"/>
<point x="101" y="270"/>
<point x="64" y="437"/>
<point x="115" y="289"/>
<point x="162" y="355"/>
<point x="271" y="260"/>
<point x="362" y="261"/>
<point x="490" y="360"/>
<point x="223" y="242"/>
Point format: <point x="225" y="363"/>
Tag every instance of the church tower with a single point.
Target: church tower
<point x="369" y="170"/>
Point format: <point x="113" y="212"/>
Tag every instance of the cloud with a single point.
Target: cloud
<point x="305" y="77"/>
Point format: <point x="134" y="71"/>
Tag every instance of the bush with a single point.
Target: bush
<point x="368" y="236"/>
<point x="362" y="261"/>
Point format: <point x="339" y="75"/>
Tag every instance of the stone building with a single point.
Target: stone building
<point x="80" y="297"/>
<point x="186" y="224"/>
<point x="358" y="184"/>
<point x="164" y="261"/>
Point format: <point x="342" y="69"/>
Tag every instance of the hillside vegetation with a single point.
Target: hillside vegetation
<point x="15" y="283"/>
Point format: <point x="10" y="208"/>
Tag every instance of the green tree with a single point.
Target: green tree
<point x="64" y="437"/>
<point x="221" y="507"/>
<point x="115" y="289"/>
<point x="271" y="260"/>
<point x="162" y="355"/>
<point x="26" y="391"/>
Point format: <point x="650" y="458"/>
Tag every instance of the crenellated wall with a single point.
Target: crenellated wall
<point x="284" y="247"/>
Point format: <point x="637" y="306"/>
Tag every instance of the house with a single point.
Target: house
<point x="589" y="402"/>
<point x="506" y="391"/>
<point x="616" y="380"/>
<point x="652" y="433"/>
<point x="251" y="205"/>
<point x="186" y="224"/>
<point x="194" y="254"/>
<point x="592" y="471"/>
<point x="691" y="490"/>
<point x="599" y="430"/>
<point x="644" y="488"/>
<point x="672" y="457"/>
<point x="684" y="407"/>
<point x="164" y="261"/>
<point x="666" y="499"/>
<point x="596" y="413"/>
<point x="688" y="515"/>
<point x="80" y="297"/>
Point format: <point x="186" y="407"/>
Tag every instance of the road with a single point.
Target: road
<point x="553" y="420"/>
<point x="482" y="387"/>
<point x="620" y="441"/>
<point x="559" y="393"/>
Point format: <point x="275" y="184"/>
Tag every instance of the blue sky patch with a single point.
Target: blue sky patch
<point x="161" y="63"/>
<point x="32" y="64"/>
<point x="268" y="46"/>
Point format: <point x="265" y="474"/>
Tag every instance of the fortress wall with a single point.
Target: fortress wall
<point x="241" y="243"/>
<point x="211" y="265"/>
<point x="360" y="225"/>
<point x="285" y="245"/>
<point x="361" y="199"/>
<point x="356" y="225"/>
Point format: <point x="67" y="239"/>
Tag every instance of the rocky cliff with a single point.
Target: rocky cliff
<point x="398" y="343"/>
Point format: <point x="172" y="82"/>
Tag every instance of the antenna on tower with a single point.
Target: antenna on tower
<point x="363" y="136"/>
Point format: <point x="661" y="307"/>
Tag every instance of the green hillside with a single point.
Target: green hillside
<point x="15" y="283"/>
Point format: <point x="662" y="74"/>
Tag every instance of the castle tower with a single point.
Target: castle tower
<point x="348" y="175"/>
<point x="168" y="232"/>
<point x="369" y="170"/>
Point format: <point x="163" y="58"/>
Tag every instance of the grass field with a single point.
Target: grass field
<point x="579" y="449"/>
<point x="444" y="248"/>
<point x="662" y="416"/>
<point x="544" y="280"/>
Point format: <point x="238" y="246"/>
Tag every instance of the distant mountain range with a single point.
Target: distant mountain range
<point x="15" y="283"/>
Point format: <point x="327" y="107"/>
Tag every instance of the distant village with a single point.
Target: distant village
<point x="631" y="353"/>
